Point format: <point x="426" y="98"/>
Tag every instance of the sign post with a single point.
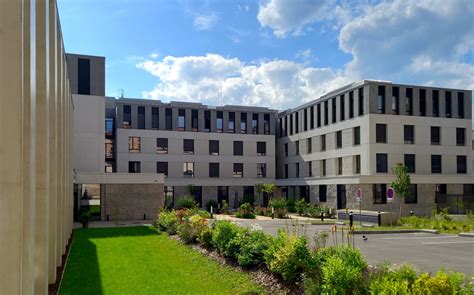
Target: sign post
<point x="390" y="194"/>
<point x="359" y="199"/>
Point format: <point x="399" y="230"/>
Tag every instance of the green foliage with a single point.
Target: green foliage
<point x="262" y="211"/>
<point x="440" y="222"/>
<point x="223" y="232"/>
<point x="213" y="204"/>
<point x="401" y="183"/>
<point x="388" y="281"/>
<point x="167" y="222"/>
<point x="201" y="213"/>
<point x="249" y="199"/>
<point x="186" y="202"/>
<point x="245" y="211"/>
<point x="279" y="205"/>
<point x="290" y="205"/>
<point x="302" y="207"/>
<point x="205" y="238"/>
<point x="191" y="228"/>
<point x="314" y="210"/>
<point x="224" y="207"/>
<point x="425" y="284"/>
<point x="248" y="246"/>
<point x="84" y="216"/>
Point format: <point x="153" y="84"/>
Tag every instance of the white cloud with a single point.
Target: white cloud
<point x="212" y="78"/>
<point x="205" y="21"/>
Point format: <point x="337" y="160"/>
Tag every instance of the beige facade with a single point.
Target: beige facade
<point x="36" y="171"/>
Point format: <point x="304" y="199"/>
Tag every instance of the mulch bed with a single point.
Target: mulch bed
<point x="53" y="289"/>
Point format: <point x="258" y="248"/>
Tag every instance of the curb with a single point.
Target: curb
<point x="466" y="235"/>
<point x="397" y="231"/>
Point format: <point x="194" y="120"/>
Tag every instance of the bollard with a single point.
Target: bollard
<point x="411" y="212"/>
<point x="379" y="218"/>
<point x="273" y="213"/>
<point x="322" y="215"/>
<point x="351" y="219"/>
<point x="212" y="213"/>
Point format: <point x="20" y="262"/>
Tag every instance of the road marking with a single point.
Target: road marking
<point x="417" y="238"/>
<point x="439" y="243"/>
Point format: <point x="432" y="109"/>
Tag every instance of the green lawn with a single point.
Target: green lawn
<point x="139" y="260"/>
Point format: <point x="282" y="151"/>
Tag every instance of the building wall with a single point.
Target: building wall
<point x="36" y="123"/>
<point x="97" y="73"/>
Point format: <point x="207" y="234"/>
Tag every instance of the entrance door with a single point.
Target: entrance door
<point x="341" y="196"/>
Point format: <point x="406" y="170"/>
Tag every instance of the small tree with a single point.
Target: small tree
<point x="268" y="188"/>
<point x="401" y="184"/>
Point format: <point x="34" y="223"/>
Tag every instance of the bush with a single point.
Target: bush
<point x="249" y="199"/>
<point x="167" y="222"/>
<point x="301" y="207"/>
<point x="425" y="284"/>
<point x="205" y="238"/>
<point x="224" y="207"/>
<point x="201" y="213"/>
<point x="290" y="205"/>
<point x="191" y="228"/>
<point x="245" y="211"/>
<point x="279" y="205"/>
<point x="223" y="232"/>
<point x="314" y="211"/>
<point x="262" y="211"/>
<point x="386" y="281"/>
<point x="186" y="202"/>
<point x="212" y="203"/>
<point x="248" y="247"/>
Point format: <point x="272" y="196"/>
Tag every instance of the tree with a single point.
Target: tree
<point x="401" y="184"/>
<point x="268" y="188"/>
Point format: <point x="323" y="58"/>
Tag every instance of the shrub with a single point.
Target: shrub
<point x="398" y="281"/>
<point x="212" y="203"/>
<point x="425" y="284"/>
<point x="248" y="247"/>
<point x="186" y="202"/>
<point x="191" y="228"/>
<point x="201" y="213"/>
<point x="167" y="222"/>
<point x="245" y="211"/>
<point x="249" y="199"/>
<point x="224" y="207"/>
<point x="279" y="205"/>
<point x="460" y="283"/>
<point x="386" y="286"/>
<point x="262" y="211"/>
<point x="223" y="232"/>
<point x="290" y="205"/>
<point x="205" y="238"/>
<point x="314" y="210"/>
<point x="301" y="207"/>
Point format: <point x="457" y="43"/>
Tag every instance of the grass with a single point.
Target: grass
<point x="139" y="260"/>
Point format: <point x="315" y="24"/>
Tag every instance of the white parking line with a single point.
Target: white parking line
<point x="417" y="238"/>
<point x="439" y="243"/>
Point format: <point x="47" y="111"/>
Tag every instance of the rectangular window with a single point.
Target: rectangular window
<point x="286" y="125"/>
<point x="323" y="142"/>
<point x="213" y="169"/>
<point x="261" y="170"/>
<point x="168" y="119"/>
<point x="155" y="122"/>
<point x="461" y="164"/>
<point x="410" y="163"/>
<point x="261" y="148"/>
<point x="435" y="103"/>
<point x="162" y="167"/>
<point x="297" y="170"/>
<point x="280" y="122"/>
<point x="326" y="112"/>
<point x="361" y="101"/>
<point x="207" y="121"/>
<point x="435" y="135"/>
<point x="357" y="164"/>
<point x="382" y="165"/>
<point x="214" y="147"/>
<point x="323" y="167"/>
<point x="231" y="124"/>
<point x="322" y="193"/>
<point x="194" y="120"/>
<point x="409" y="134"/>
<point x="286" y="150"/>
<point x="380" y="193"/>
<point x="238" y="148"/>
<point x="461" y="105"/>
<point x="141" y="117"/>
<point x="188" y="146"/>
<point x="448" y="104"/>
<point x="297" y="122"/>
<point x="188" y="169"/>
<point x="181" y="119"/>
<point x="409" y="101"/>
<point x="381" y="133"/>
<point x="311" y="117"/>
<point x="109" y="128"/>
<point x="381" y="100"/>
<point x="460" y="136"/>
<point x="220" y="122"/>
<point x="422" y="102"/>
<point x="412" y="198"/>
<point x="310" y="168"/>
<point x="127" y="116"/>
<point x="134" y="167"/>
<point x="395" y="95"/>
<point x="243" y="122"/>
<point x="351" y="104"/>
<point x="254" y="123"/>
<point x="297" y="148"/>
<point x="334" y="111"/>
<point x="266" y="124"/>
<point x="286" y="171"/>
<point x="357" y="135"/>
<point x="309" y="146"/>
<point x="436" y="164"/>
<point x="339" y="166"/>
<point x="291" y="124"/>
<point x="134" y="144"/>
<point x="83" y="76"/>
<point x="342" y="108"/>
<point x="318" y="115"/>
<point x="338" y="139"/>
<point x="162" y="145"/>
<point x="109" y="148"/>
<point x="305" y="119"/>
<point x="238" y="170"/>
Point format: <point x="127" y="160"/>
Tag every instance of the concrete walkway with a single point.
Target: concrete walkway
<point x="124" y="223"/>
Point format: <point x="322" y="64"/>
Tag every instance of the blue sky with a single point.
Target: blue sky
<point x="277" y="53"/>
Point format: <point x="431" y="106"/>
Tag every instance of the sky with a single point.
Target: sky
<point x="275" y="53"/>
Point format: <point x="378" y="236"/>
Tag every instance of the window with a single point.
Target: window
<point x="382" y="166"/>
<point x="381" y="133"/>
<point x="261" y="148"/>
<point x="238" y="148"/>
<point x="326" y="112"/>
<point x="323" y="167"/>
<point x="291" y="124"/>
<point x="219" y="122"/>
<point x="409" y="134"/>
<point x="213" y="169"/>
<point x="188" y="169"/>
<point x="461" y="105"/>
<point x="286" y="125"/>
<point x="127" y="116"/>
<point x="207" y="121"/>
<point x="286" y="150"/>
<point x="188" y="146"/>
<point x="155" y="122"/>
<point x="109" y="127"/>
<point x="357" y="135"/>
<point x="435" y="103"/>
<point x="255" y="123"/>
<point x="310" y="168"/>
<point x="322" y="193"/>
<point x="435" y="135"/>
<point x="318" y="115"/>
<point x="361" y="101"/>
<point x="213" y="147"/>
<point x="338" y="139"/>
<point x="266" y="124"/>
<point x="109" y="148"/>
<point x="339" y="166"/>
<point x="141" y="117"/>
<point x="162" y="145"/>
<point x="333" y="104"/>
<point x="305" y="119"/>
<point x="412" y="198"/>
<point x="238" y="170"/>
<point x="83" y="76"/>
<point x="309" y="146"/>
<point x="297" y="122"/>
<point x="323" y="142"/>
<point x="162" y="167"/>
<point x="297" y="170"/>
<point x="436" y="164"/>
<point x="243" y="122"/>
<point x="231" y="124"/>
<point x="286" y="171"/>
<point x="461" y="164"/>
<point x="410" y="163"/>
<point x="297" y="148"/>
<point x="194" y="120"/>
<point x="133" y="167"/>
<point x="134" y="145"/>
<point x="342" y="108"/>
<point x="448" y="104"/>
<point x="380" y="193"/>
<point x="109" y="166"/>
<point x="280" y="122"/>
<point x="311" y="117"/>
<point x="261" y="170"/>
<point x="422" y="102"/>
<point x="168" y="119"/>
<point x="351" y="104"/>
<point x="460" y="136"/>
<point x="381" y="100"/>
<point x="181" y="119"/>
<point x="357" y="164"/>
<point x="409" y="101"/>
<point x="395" y="95"/>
